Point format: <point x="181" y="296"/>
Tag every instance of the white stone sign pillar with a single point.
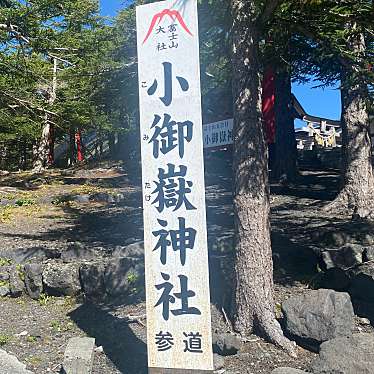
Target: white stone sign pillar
<point x="176" y="256"/>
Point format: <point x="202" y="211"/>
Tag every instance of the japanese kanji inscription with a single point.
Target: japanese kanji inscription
<point x="176" y="255"/>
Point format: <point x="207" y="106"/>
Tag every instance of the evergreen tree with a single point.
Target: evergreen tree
<point x="52" y="63"/>
<point x="254" y="299"/>
<point x="339" y="43"/>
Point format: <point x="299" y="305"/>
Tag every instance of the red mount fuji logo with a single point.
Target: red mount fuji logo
<point x="157" y="18"/>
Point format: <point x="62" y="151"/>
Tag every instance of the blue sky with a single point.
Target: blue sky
<point x="110" y="7"/>
<point x="317" y="102"/>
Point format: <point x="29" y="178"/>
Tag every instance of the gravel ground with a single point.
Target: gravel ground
<point x="37" y="331"/>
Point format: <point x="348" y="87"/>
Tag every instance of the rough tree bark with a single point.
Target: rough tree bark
<point x="254" y="298"/>
<point x="43" y="151"/>
<point x="357" y="194"/>
<point x="285" y="163"/>
<point x="72" y="151"/>
<point x="112" y="145"/>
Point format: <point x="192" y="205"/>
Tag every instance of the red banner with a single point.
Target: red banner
<point x="268" y="104"/>
<point x="78" y="141"/>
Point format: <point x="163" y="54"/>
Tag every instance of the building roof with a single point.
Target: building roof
<point x="299" y="112"/>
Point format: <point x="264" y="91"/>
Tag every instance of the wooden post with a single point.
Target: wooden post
<point x="175" y="234"/>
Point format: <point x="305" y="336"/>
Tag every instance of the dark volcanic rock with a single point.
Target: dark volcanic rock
<point x="4" y="290"/>
<point x="319" y="315"/>
<point x="33" y="280"/>
<point x="112" y="278"/>
<point x="16" y="284"/>
<point x="103" y="197"/>
<point x="362" y="286"/>
<point x="4" y="273"/>
<point x="335" y="279"/>
<point x="82" y="199"/>
<point x="135" y="250"/>
<point x="368" y="254"/>
<point x="46" y="200"/>
<point x="343" y="258"/>
<point x="93" y="279"/>
<point x="346" y="355"/>
<point x="335" y="239"/>
<point x="119" y="197"/>
<point x="78" y="251"/>
<point x="68" y="173"/>
<point x="23" y="255"/>
<point x="367" y="239"/>
<point x="61" y="279"/>
<point x="123" y="275"/>
<point x="226" y="344"/>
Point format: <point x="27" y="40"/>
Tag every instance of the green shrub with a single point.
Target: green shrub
<point x="4" y="339"/>
<point x="25" y="202"/>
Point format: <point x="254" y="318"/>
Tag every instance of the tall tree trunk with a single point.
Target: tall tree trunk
<point x="42" y="151"/>
<point x="254" y="298"/>
<point x="112" y="145"/>
<point x="51" y="153"/>
<point x="122" y="146"/>
<point x="72" y="148"/>
<point x="24" y="151"/>
<point x="357" y="195"/>
<point x="285" y="164"/>
<point x="44" y="148"/>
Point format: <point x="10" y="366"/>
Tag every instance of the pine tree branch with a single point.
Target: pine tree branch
<point x="268" y="11"/>
<point x="28" y="104"/>
<point x="324" y="42"/>
<point x="61" y="59"/>
<point x="13" y="29"/>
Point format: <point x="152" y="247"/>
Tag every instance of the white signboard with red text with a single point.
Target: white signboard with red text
<point x="176" y="256"/>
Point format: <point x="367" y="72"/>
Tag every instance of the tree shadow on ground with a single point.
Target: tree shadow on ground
<point x="364" y="309"/>
<point x="111" y="225"/>
<point x="319" y="185"/>
<point x="294" y="259"/>
<point x="98" y="226"/>
<point x="107" y="226"/>
<point x="293" y="262"/>
<point x="22" y="255"/>
<point x="125" y="350"/>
